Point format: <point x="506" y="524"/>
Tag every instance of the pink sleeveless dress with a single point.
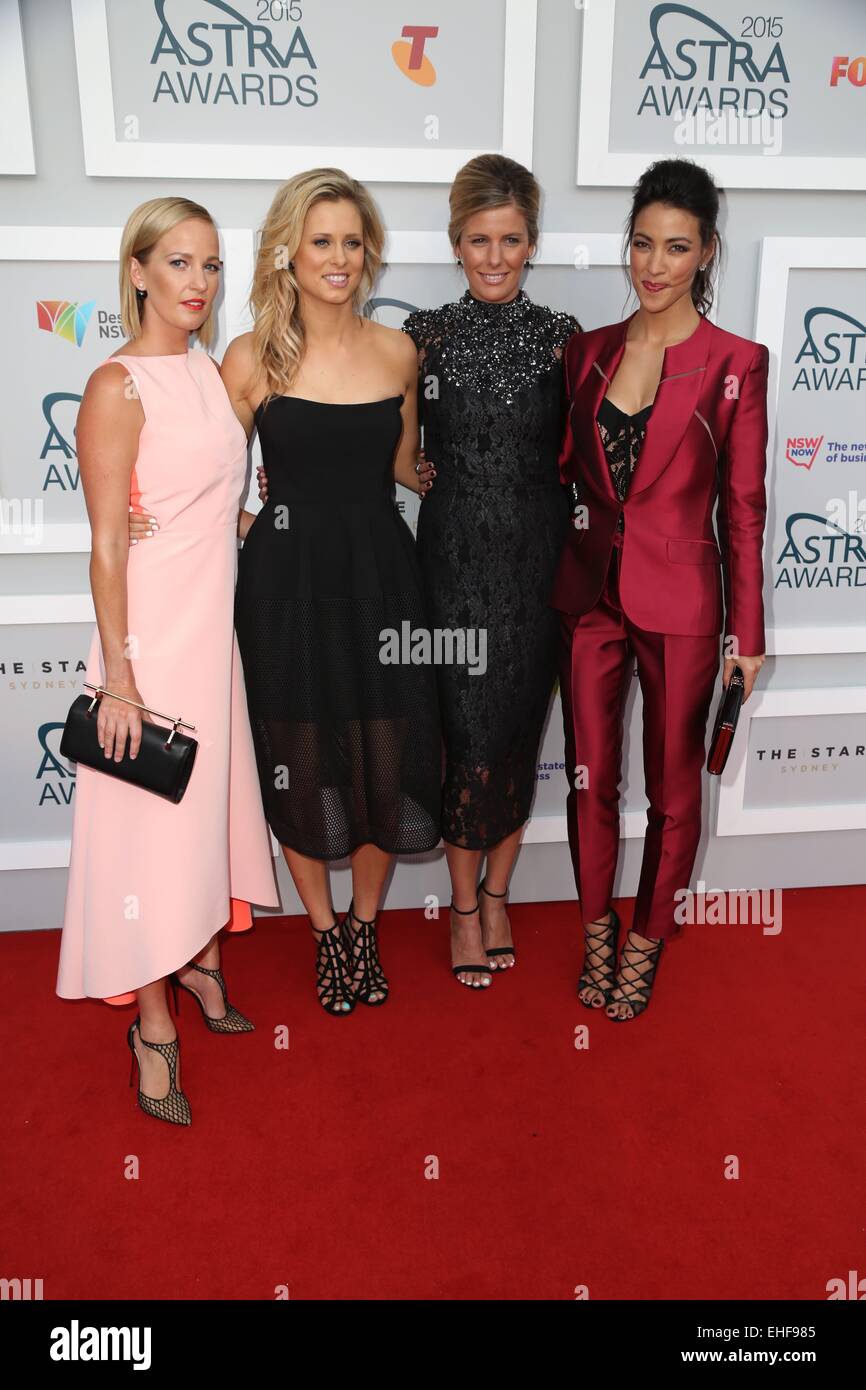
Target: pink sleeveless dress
<point x="149" y="881"/>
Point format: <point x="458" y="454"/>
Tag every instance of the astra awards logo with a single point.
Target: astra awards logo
<point x="818" y="553"/>
<point x="224" y="56"/>
<point x="802" y="449"/>
<point x="55" y="777"/>
<point x="833" y="352"/>
<point x="62" y="470"/>
<point x="64" y="319"/>
<point x="702" y="66"/>
<point x="411" y="58"/>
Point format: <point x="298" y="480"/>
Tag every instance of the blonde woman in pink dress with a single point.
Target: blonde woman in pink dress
<point x="151" y="883"/>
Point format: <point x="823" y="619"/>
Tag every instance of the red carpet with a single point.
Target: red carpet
<point x="557" y="1167"/>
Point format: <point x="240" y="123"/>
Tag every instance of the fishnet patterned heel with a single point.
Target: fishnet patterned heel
<point x="596" y="964"/>
<point x="333" y="981"/>
<point x="635" y="993"/>
<point x="362" y="950"/>
<point x="173" y="1107"/>
<point x="232" y="1021"/>
<point x="498" y="950"/>
<point x="459" y="970"/>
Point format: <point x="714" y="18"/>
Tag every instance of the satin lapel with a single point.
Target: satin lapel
<point x="683" y="373"/>
<point x="587" y="399"/>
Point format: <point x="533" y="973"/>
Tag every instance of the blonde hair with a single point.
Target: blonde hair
<point x="275" y="298"/>
<point x="492" y="181"/>
<point x="144" y="227"/>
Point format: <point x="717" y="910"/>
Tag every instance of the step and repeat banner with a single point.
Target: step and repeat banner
<point x="174" y="89"/>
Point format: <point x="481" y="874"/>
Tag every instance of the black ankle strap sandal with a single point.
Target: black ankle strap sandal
<point x="459" y="970"/>
<point x="498" y="950"/>
<point x="174" y="1107"/>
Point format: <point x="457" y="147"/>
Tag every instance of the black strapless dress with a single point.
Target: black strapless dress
<point x="348" y="744"/>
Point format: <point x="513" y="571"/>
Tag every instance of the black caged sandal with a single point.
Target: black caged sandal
<point x="368" y="977"/>
<point x="333" y="980"/>
<point x="635" y="993"/>
<point x="599" y="969"/>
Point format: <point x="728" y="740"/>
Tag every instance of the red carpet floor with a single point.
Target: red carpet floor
<point x="557" y="1167"/>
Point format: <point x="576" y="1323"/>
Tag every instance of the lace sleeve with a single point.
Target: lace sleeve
<point x="424" y="328"/>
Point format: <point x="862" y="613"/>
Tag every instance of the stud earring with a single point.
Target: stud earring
<point x="702" y="267"/>
<point x="291" y="265"/>
<point x="142" y="294"/>
<point x="459" y="262"/>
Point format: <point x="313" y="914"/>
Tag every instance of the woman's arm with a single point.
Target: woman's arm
<point x="418" y="479"/>
<point x="238" y="374"/>
<point x="107" y="432"/>
<point x="742" y="514"/>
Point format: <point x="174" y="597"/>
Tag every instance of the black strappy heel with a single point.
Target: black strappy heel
<point x="458" y="970"/>
<point x="498" y="950"/>
<point x="639" y="990"/>
<point x="594" y="963"/>
<point x="232" y="1021"/>
<point x="173" y="1107"/>
<point x="372" y="979"/>
<point x="333" y="982"/>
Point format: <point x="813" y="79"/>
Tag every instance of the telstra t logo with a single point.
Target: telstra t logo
<point x="411" y="58"/>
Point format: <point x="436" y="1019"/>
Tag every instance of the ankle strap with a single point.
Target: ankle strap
<point x="464" y="911"/>
<point x="360" y="920"/>
<point x="483" y="886"/>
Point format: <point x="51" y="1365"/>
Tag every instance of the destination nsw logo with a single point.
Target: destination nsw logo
<point x="819" y="554"/>
<point x="703" y="67"/>
<point x="223" y="56"/>
<point x="833" y="352"/>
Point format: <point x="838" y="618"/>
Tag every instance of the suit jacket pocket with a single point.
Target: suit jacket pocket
<point x="688" y="552"/>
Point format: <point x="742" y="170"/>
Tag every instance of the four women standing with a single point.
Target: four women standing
<point x="346" y="742"/>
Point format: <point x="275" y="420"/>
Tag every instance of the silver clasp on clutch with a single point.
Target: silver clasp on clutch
<point x="176" y="724"/>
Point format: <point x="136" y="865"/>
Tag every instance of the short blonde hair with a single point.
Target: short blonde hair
<point x="144" y="227"/>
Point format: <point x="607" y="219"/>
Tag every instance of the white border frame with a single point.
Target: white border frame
<point x="598" y="165"/>
<point x="71" y="244"/>
<point x="16" y="130"/>
<point x="734" y="818"/>
<point x="105" y="155"/>
<point x="778" y="256"/>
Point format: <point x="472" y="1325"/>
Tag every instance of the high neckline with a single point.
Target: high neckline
<point x="151" y="356"/>
<point x="489" y="308"/>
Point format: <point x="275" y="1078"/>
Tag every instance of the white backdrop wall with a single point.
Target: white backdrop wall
<point x="794" y="277"/>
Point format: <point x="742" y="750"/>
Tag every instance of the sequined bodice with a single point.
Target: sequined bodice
<point x="491" y="393"/>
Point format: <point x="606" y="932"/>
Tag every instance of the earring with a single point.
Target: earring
<point x="527" y="265"/>
<point x="291" y="265"/>
<point x="142" y="294"/>
<point x="459" y="262"/>
<point x="702" y="267"/>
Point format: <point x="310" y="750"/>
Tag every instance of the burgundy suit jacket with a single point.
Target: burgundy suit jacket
<point x="706" y="438"/>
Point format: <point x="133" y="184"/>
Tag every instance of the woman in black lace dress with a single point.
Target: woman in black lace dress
<point x="489" y="536"/>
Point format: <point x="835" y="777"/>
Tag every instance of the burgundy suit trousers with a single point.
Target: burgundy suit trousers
<point x="677" y="676"/>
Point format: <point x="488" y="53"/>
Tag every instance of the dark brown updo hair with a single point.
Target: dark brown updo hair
<point x="681" y="183"/>
<point x="492" y="181"/>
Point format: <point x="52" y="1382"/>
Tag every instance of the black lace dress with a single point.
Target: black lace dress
<point x="489" y="535"/>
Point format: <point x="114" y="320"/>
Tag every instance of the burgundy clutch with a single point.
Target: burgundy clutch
<point x="726" y="722"/>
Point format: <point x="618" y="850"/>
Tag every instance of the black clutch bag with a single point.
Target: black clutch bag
<point x="726" y="722"/>
<point x="164" y="760"/>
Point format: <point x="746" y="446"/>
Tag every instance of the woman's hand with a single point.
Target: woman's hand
<point x="116" y="720"/>
<point x="749" y="665"/>
<point x="417" y="475"/>
<point x="263" y="482"/>
<point x="425" y="473"/>
<point x="141" y="525"/>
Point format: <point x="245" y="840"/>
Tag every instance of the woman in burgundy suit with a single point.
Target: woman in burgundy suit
<point x="667" y="416"/>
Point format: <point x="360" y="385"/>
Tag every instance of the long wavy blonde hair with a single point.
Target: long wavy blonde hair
<point x="144" y="227"/>
<point x="275" y="298"/>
